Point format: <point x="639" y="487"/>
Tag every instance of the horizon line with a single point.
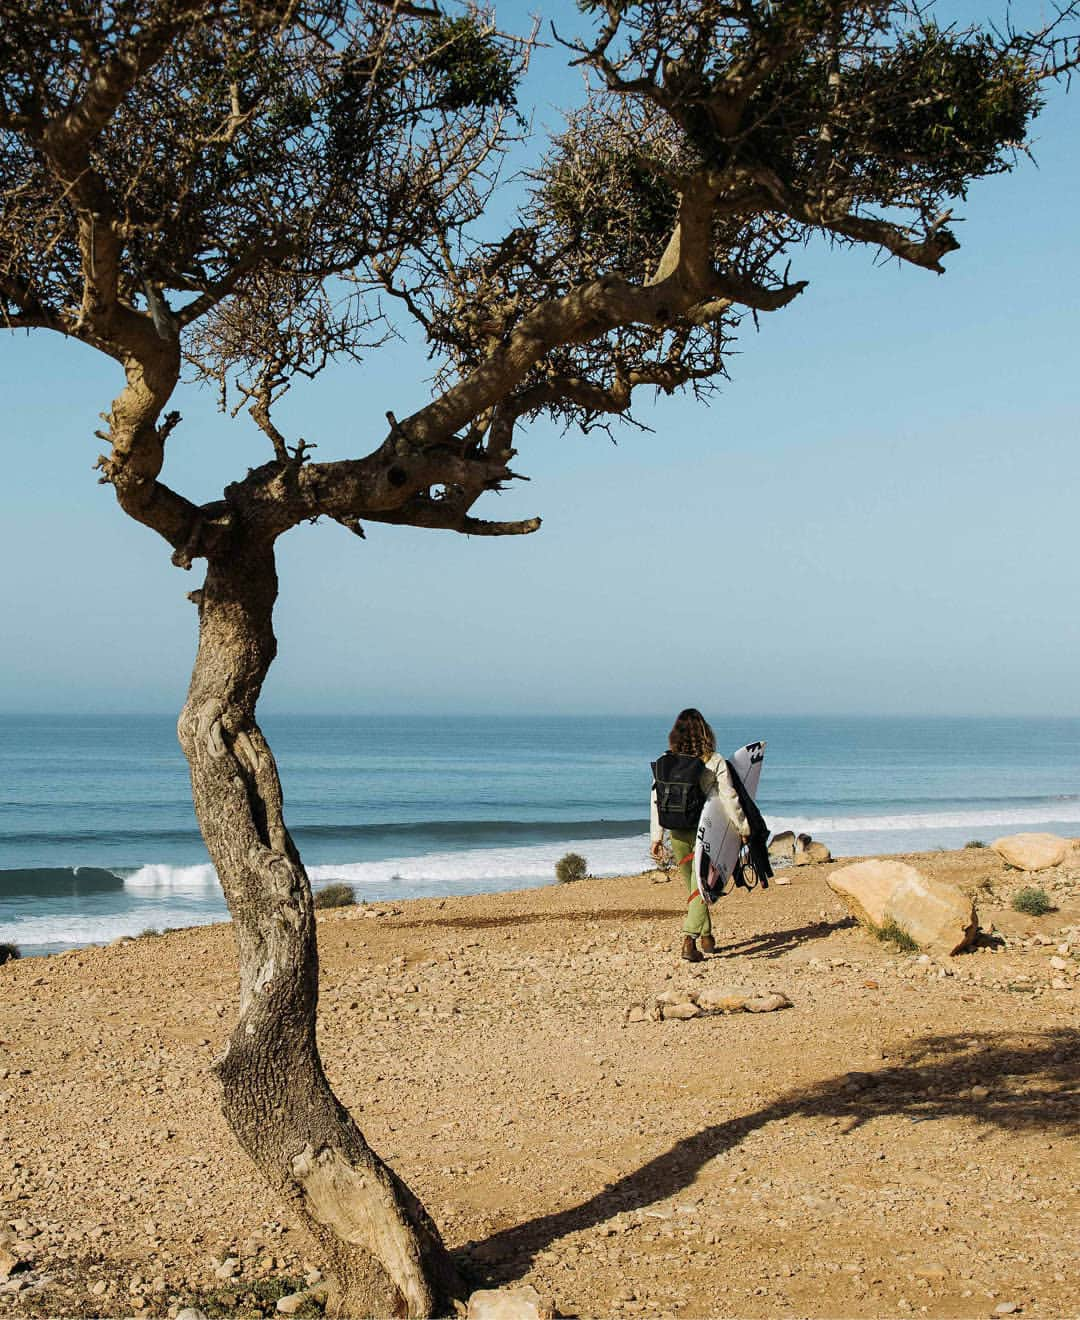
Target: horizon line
<point x="548" y="715"/>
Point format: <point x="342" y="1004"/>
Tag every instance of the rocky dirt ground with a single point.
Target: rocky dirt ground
<point x="900" y="1141"/>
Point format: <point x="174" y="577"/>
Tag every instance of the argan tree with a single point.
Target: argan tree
<point x="250" y="189"/>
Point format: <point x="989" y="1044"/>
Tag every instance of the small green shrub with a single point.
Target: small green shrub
<point x="891" y="932"/>
<point x="571" y="867"/>
<point x="149" y="933"/>
<point x="336" y="895"/>
<point x="8" y="953"/>
<point x="1033" y="902"/>
<point x="975" y="843"/>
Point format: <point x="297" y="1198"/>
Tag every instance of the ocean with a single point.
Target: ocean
<point x="98" y="838"/>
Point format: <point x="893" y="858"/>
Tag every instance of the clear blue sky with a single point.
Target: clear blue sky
<point x="881" y="508"/>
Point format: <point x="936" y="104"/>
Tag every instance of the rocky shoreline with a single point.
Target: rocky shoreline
<point x="900" y="1139"/>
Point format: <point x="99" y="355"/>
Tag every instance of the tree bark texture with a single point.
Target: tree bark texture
<point x="384" y="1254"/>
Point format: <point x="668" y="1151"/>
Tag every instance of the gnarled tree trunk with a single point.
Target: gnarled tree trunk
<point x="384" y="1254"/>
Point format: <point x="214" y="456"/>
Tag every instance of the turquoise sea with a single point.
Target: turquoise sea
<point x="98" y="838"/>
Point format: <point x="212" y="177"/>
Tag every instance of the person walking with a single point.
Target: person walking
<point x="692" y="737"/>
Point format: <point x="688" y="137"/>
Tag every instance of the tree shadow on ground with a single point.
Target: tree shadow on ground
<point x="775" y="943"/>
<point x="1032" y="1079"/>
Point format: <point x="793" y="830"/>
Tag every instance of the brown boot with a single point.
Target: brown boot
<point x="690" y="949"/>
<point x="706" y="944"/>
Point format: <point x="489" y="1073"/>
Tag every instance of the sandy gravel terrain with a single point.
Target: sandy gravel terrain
<point x="901" y="1141"/>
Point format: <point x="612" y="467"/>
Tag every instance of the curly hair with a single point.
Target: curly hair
<point x="691" y="735"/>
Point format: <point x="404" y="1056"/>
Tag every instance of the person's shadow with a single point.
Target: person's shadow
<point x="774" y="943"/>
<point x="935" y="1081"/>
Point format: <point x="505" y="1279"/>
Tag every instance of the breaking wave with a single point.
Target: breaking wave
<point x="611" y="847"/>
<point x="43" y="909"/>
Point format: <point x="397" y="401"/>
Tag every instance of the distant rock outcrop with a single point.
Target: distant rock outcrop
<point x="782" y="845"/>
<point x="808" y="851"/>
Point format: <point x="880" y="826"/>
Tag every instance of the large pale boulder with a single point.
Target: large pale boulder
<point x="1031" y="852"/>
<point x="937" y="915"/>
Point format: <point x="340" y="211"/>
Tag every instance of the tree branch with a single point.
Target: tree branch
<point x="243" y="264"/>
<point x="581" y="315"/>
<point x="831" y="214"/>
<point x="613" y="398"/>
<point x="926" y="252"/>
<point x="116" y="76"/>
<point x="32" y="313"/>
<point x="441" y="516"/>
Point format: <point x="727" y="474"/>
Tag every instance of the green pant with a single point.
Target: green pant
<point x="697" y="913"/>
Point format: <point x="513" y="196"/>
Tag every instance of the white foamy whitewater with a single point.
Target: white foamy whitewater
<point x="98" y="838"/>
<point x="159" y="896"/>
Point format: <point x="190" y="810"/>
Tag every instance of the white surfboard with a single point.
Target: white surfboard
<point x="717" y="848"/>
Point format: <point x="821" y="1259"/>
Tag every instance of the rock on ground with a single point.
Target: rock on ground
<point x="767" y="1003"/>
<point x="509" y="1304"/>
<point x="718" y="999"/>
<point x="684" y="1004"/>
<point x="937" y="915"/>
<point x="680" y="1012"/>
<point x="1031" y="852"/>
<point x="809" y="852"/>
<point x="782" y="844"/>
<point x="291" y="1303"/>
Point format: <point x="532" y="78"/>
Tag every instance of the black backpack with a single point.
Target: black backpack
<point x="679" y="799"/>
